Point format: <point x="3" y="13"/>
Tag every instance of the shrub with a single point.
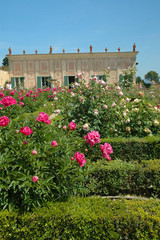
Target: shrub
<point x="120" y="177"/>
<point x="85" y="218"/>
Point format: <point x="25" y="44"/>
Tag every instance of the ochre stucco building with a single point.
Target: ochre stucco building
<point x="33" y="70"/>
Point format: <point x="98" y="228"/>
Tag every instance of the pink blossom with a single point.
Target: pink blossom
<point x="43" y="117"/>
<point x="106" y="149"/>
<point x="21" y="98"/>
<point x="72" y="126"/>
<point x="54" y="143"/>
<point x="12" y="93"/>
<point x="30" y="91"/>
<point x="113" y="105"/>
<point x="25" y="142"/>
<point x="72" y="158"/>
<point x="4" y="120"/>
<point x="27" y="95"/>
<point x="1" y="95"/>
<point x="8" y="101"/>
<point x="26" y="130"/>
<point x="105" y="106"/>
<point x="120" y="93"/>
<point x="35" y="179"/>
<point x="80" y="158"/>
<point x="21" y="103"/>
<point x="64" y="127"/>
<point x="55" y="98"/>
<point x="92" y="138"/>
<point x="34" y="152"/>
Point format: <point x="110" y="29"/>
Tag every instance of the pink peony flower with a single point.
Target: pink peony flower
<point x="106" y="149"/>
<point x="43" y="117"/>
<point x="1" y="95"/>
<point x="21" y="98"/>
<point x="4" y="120"/>
<point x="27" y="95"/>
<point x="8" y="101"/>
<point x="92" y="138"/>
<point x="80" y="158"/>
<point x="35" y="179"/>
<point x="34" y="152"/>
<point x="54" y="143"/>
<point x="72" y="126"/>
<point x="21" y="103"/>
<point x="12" y="93"/>
<point x="26" y="130"/>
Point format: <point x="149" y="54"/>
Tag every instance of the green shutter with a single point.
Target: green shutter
<point x="66" y="81"/>
<point x="39" y="82"/>
<point x="22" y="81"/>
<point x="12" y="82"/>
<point x="120" y="79"/>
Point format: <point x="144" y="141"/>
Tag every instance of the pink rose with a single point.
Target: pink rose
<point x="8" y="101"/>
<point x="34" y="152"/>
<point x="27" y="95"/>
<point x="54" y="143"/>
<point x="35" y="179"/>
<point x="72" y="126"/>
<point x="80" y="158"/>
<point x="26" y="130"/>
<point x="4" y="121"/>
<point x="92" y="138"/>
<point x="43" y="117"/>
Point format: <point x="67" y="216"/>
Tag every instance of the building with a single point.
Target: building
<point x="34" y="70"/>
<point x="4" y="78"/>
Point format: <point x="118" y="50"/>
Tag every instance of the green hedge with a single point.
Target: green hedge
<point x="120" y="177"/>
<point x="87" y="219"/>
<point x="129" y="148"/>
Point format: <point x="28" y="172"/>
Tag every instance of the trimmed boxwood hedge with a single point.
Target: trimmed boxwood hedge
<point x="85" y="218"/>
<point x="121" y="177"/>
<point x="129" y="148"/>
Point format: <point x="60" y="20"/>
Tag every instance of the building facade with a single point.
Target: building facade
<point x="34" y="70"/>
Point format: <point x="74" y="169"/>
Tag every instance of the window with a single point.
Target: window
<point x="45" y="83"/>
<point x="19" y="82"/>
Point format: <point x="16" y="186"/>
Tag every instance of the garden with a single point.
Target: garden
<point x="80" y="162"/>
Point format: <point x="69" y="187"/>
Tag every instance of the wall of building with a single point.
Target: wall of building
<point x="31" y="66"/>
<point x="4" y="76"/>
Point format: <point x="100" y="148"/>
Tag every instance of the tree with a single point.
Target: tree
<point x="152" y="76"/>
<point x="5" y="61"/>
<point x="138" y="80"/>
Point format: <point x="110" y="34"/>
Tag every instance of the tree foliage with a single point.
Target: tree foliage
<point x="5" y="61"/>
<point x="138" y="80"/>
<point x="152" y="76"/>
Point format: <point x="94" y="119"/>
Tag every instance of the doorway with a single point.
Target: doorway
<point x="71" y="81"/>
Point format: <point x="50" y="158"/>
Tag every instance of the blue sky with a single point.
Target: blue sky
<point x="69" y="24"/>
